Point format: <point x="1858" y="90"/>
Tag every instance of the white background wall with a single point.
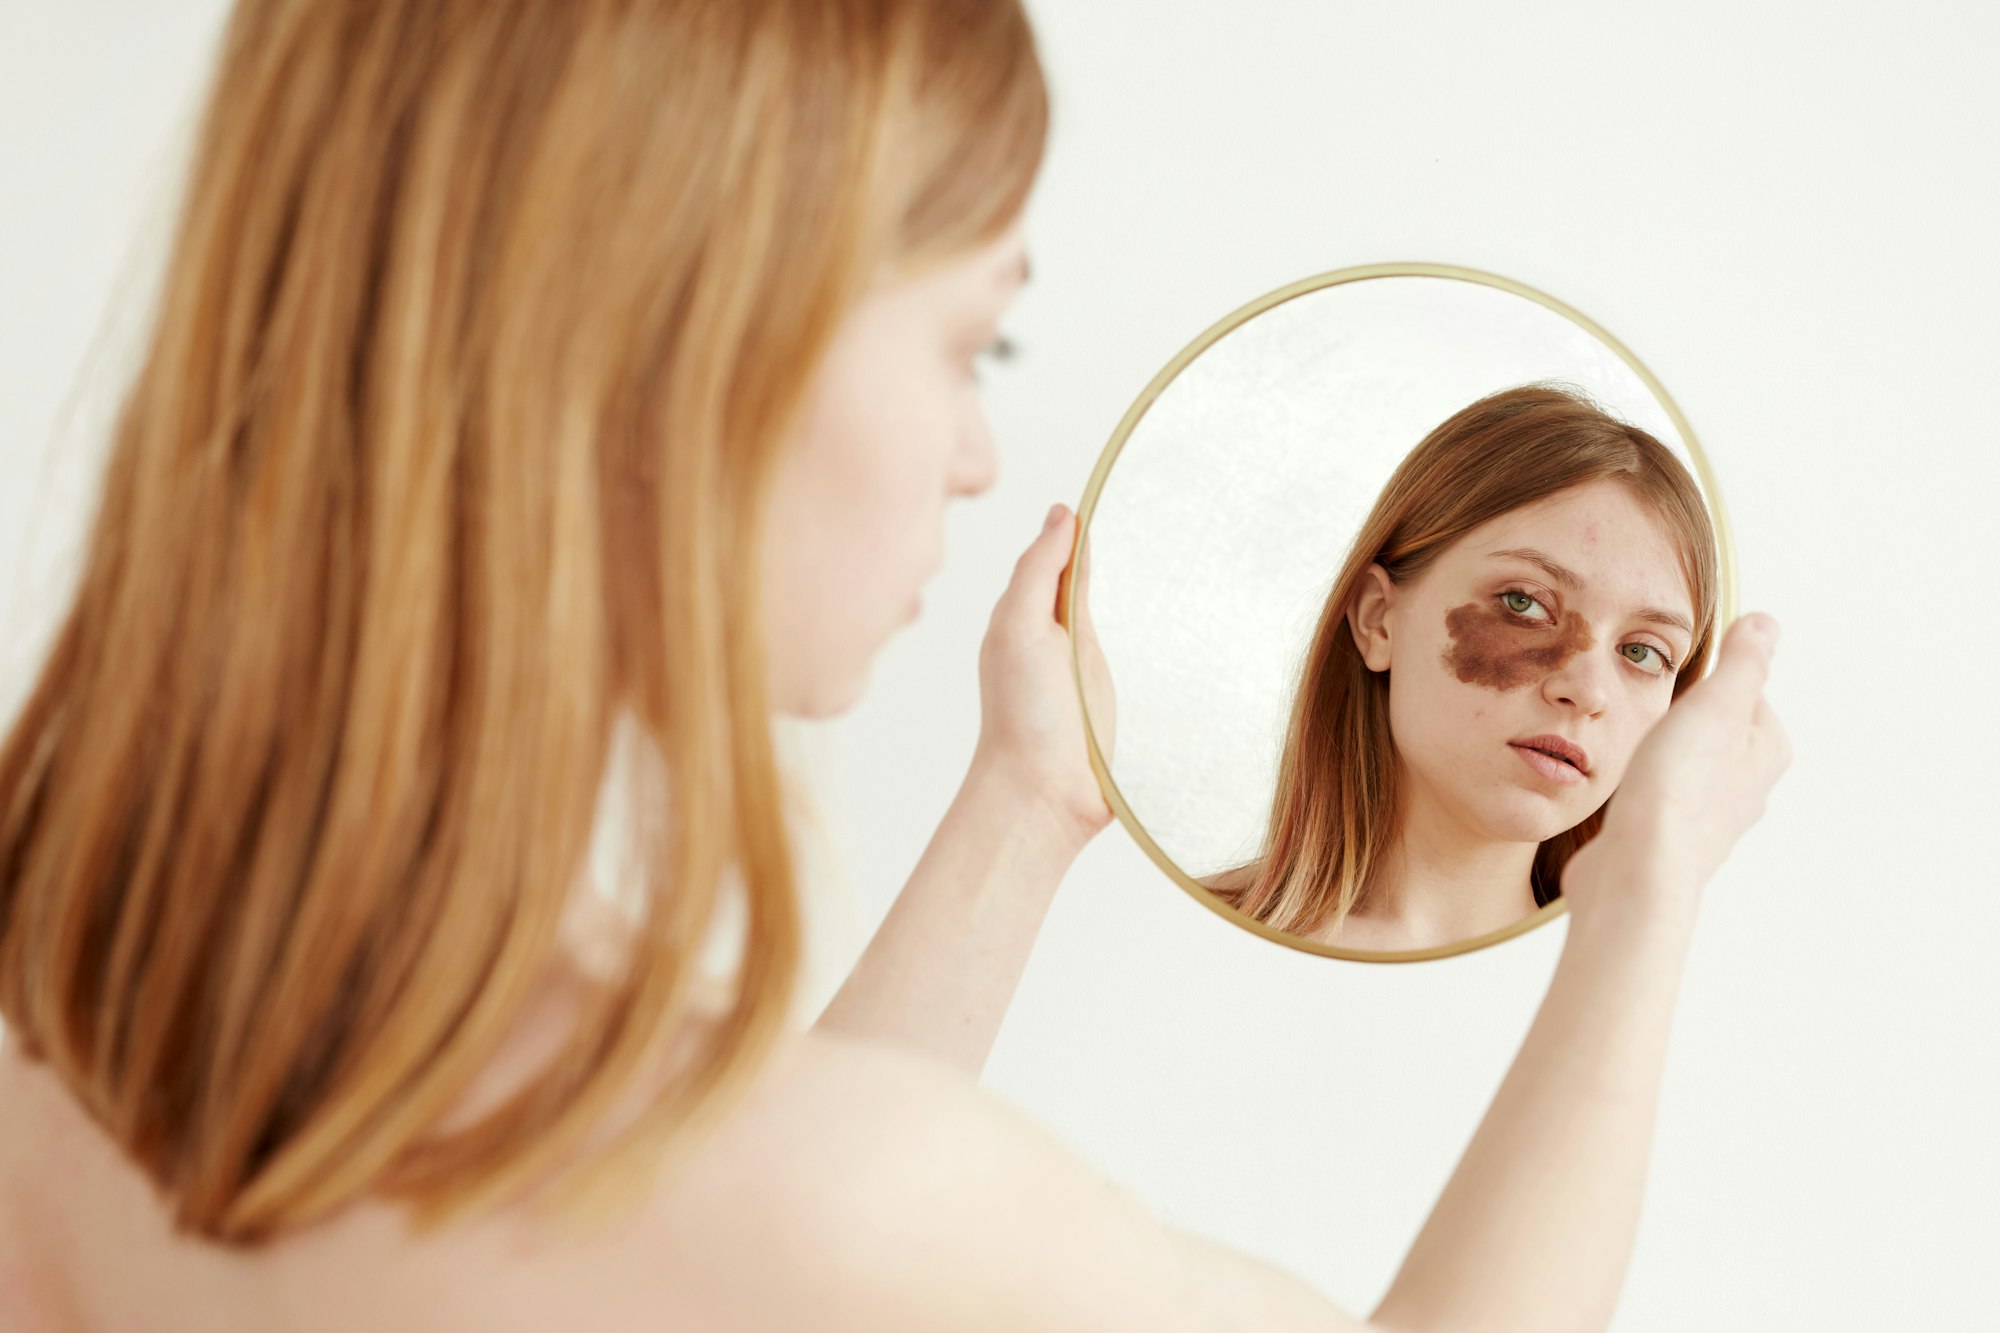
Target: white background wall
<point x="1790" y="212"/>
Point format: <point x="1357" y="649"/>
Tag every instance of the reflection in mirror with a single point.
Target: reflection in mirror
<point x="1391" y="578"/>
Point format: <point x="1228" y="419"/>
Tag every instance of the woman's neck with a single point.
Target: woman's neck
<point x="1441" y="883"/>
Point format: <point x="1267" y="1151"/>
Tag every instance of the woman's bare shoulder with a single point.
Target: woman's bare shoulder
<point x="852" y="1187"/>
<point x="889" y="1192"/>
<point x="818" y="1136"/>
<point x="834" y="1195"/>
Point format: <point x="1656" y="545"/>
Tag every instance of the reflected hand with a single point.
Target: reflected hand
<point x="1697" y="782"/>
<point x="1031" y="733"/>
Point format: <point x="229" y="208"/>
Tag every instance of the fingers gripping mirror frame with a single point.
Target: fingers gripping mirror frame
<point x="1725" y="554"/>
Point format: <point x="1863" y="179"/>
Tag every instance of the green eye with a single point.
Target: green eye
<point x="1508" y="598"/>
<point x="1666" y="663"/>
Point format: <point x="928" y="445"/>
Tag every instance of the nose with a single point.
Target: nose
<point x="1581" y="683"/>
<point x="975" y="463"/>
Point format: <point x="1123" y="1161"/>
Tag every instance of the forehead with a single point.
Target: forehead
<point x="1617" y="546"/>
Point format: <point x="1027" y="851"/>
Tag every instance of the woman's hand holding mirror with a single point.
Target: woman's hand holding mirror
<point x="1031" y="736"/>
<point x="1696" y="783"/>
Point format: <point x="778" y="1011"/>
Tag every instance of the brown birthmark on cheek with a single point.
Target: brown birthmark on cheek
<point x="1491" y="648"/>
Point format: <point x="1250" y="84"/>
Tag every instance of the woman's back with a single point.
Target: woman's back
<point x="855" y="1188"/>
<point x="85" y="1246"/>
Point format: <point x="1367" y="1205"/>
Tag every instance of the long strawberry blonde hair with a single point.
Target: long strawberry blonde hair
<point x="1337" y="809"/>
<point x="484" y="325"/>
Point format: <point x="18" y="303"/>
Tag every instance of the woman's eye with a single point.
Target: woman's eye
<point x="1001" y="349"/>
<point x="1666" y="663"/>
<point x="1512" y="595"/>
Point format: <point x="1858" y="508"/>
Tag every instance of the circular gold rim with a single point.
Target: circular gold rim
<point x="1711" y="492"/>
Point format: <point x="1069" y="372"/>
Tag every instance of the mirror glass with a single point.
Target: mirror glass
<point x="1384" y="766"/>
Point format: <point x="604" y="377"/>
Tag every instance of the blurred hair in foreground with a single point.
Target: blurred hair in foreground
<point x="484" y="323"/>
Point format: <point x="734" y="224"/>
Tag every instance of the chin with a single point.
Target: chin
<point x="826" y="679"/>
<point x="1535" y="819"/>
<point x="827" y="693"/>
<point x="823" y="702"/>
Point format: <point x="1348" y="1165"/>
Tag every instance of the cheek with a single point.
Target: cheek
<point x="876" y="470"/>
<point x="900" y="442"/>
<point x="1435" y="716"/>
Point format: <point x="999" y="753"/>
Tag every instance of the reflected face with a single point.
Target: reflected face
<point x="1528" y="662"/>
<point x="893" y="429"/>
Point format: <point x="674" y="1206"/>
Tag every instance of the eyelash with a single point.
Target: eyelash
<point x="1002" y="350"/>
<point x="1661" y="653"/>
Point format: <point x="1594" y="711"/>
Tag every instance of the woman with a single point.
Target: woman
<point x="1534" y="586"/>
<point x="532" y="370"/>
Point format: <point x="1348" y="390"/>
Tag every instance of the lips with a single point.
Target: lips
<point x="1556" y="747"/>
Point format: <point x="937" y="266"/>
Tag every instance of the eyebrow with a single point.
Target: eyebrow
<point x="1572" y="582"/>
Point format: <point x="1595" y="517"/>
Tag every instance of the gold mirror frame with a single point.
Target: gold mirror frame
<point x="1711" y="493"/>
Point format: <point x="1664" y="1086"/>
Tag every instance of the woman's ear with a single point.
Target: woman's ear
<point x="1368" y="617"/>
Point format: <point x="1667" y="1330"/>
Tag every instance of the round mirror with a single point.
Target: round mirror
<point x="1386" y="575"/>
